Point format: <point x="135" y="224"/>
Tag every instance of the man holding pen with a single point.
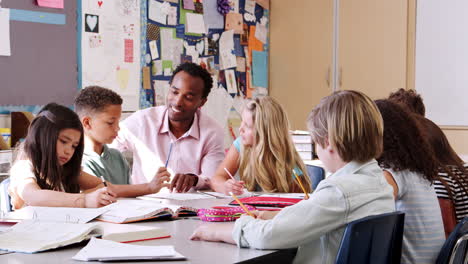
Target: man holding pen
<point x="177" y="136"/>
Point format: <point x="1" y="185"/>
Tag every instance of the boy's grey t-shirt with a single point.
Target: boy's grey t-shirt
<point x="111" y="164"/>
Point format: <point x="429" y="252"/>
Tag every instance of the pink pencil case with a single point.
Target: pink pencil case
<point x="226" y="214"/>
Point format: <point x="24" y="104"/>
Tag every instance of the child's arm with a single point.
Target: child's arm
<point x="219" y="232"/>
<point x="222" y="182"/>
<point x="33" y="195"/>
<point x="391" y="181"/>
<point x="90" y="183"/>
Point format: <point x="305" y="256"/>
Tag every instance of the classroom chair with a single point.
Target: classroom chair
<point x="455" y="248"/>
<point x="373" y="239"/>
<point x="316" y="174"/>
<point x="5" y="205"/>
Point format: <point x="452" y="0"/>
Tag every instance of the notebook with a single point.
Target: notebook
<point x="268" y="201"/>
<point x="55" y="214"/>
<point x="127" y="211"/>
<point x="104" y="250"/>
<point x="132" y="233"/>
<point x="31" y="236"/>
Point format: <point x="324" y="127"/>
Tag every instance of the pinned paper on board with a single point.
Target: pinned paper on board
<point x="95" y="41"/>
<point x="161" y="88"/>
<point x="234" y="6"/>
<point x="91" y="23"/>
<point x="250" y="6"/>
<point x="213" y="19"/>
<point x="5" y="48"/>
<point x="234" y="21"/>
<point x="154" y="50"/>
<point x="152" y="32"/>
<point x="156" y="68"/>
<point x="146" y="78"/>
<point x="261" y="32"/>
<point x="195" y="23"/>
<point x="172" y="16"/>
<point x="259" y="68"/>
<point x="231" y="84"/>
<point x="50" y="3"/>
<point x="188" y="4"/>
<point x="156" y="12"/>
<point x="128" y="46"/>
<point x="226" y="45"/>
<point x="218" y="105"/>
<point x="122" y="78"/>
<point x="240" y="64"/>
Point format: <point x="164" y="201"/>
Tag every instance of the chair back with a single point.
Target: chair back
<point x="5" y="204"/>
<point x="316" y="174"/>
<point x="373" y="239"/>
<point x="455" y="247"/>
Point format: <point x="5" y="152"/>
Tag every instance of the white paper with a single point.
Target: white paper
<point x="195" y="23"/>
<point x="58" y="214"/>
<point x="172" y="16"/>
<point x="99" y="249"/>
<point x="161" y="89"/>
<point x="5" y="49"/>
<point x="218" y="106"/>
<point x="234" y="6"/>
<point x="177" y="196"/>
<point x="261" y="32"/>
<point x="170" y="48"/>
<point x="250" y="6"/>
<point x="154" y="49"/>
<point x="226" y="46"/>
<point x="155" y="12"/>
<point x="240" y="64"/>
<point x="231" y="82"/>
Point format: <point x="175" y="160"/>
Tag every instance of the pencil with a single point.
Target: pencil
<point x="300" y="184"/>
<point x="242" y="205"/>
<point x="230" y="175"/>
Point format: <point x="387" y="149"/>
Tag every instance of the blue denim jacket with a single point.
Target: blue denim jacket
<point x="316" y="225"/>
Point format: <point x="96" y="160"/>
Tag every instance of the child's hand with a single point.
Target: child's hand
<point x="219" y="232"/>
<point x="265" y="215"/>
<point x="160" y="180"/>
<point x="236" y="187"/>
<point x="100" y="197"/>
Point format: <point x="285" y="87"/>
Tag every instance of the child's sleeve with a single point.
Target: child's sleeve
<point x="308" y="220"/>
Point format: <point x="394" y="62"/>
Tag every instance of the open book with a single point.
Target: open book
<point x="31" y="236"/>
<point x="103" y="250"/>
<point x="127" y="211"/>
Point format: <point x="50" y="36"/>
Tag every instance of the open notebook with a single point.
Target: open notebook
<point x="55" y="214"/>
<point x="127" y="211"/>
<point x="103" y="250"/>
<point x="31" y="236"/>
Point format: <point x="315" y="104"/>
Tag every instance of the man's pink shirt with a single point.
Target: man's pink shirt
<point x="146" y="134"/>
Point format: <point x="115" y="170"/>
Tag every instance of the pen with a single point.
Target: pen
<point x="104" y="181"/>
<point x="300" y="184"/>
<point x="242" y="205"/>
<point x="168" y="155"/>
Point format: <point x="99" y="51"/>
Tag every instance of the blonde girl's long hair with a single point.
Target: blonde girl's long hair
<point x="270" y="160"/>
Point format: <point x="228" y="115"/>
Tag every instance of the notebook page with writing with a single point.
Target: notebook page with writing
<point x="104" y="250"/>
<point x="31" y="236"/>
<point x="177" y="196"/>
<point x="57" y="214"/>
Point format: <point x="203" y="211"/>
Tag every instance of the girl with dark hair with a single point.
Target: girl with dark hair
<point x="452" y="182"/>
<point x="48" y="171"/>
<point x="410" y="167"/>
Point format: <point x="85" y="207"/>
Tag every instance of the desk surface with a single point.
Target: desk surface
<point x="180" y="230"/>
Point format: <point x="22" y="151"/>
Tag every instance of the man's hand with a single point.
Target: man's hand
<point x="183" y="182"/>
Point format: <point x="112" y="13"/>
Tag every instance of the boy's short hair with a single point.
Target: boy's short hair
<point x="93" y="99"/>
<point x="410" y="99"/>
<point x="351" y="122"/>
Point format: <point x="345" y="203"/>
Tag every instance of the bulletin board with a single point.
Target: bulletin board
<point x="229" y="38"/>
<point x="42" y="66"/>
<point x="110" y="47"/>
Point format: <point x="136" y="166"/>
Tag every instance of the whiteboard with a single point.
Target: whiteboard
<point x="442" y="60"/>
<point x="110" y="47"/>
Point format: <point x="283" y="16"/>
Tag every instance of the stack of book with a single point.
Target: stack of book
<point x="304" y="145"/>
